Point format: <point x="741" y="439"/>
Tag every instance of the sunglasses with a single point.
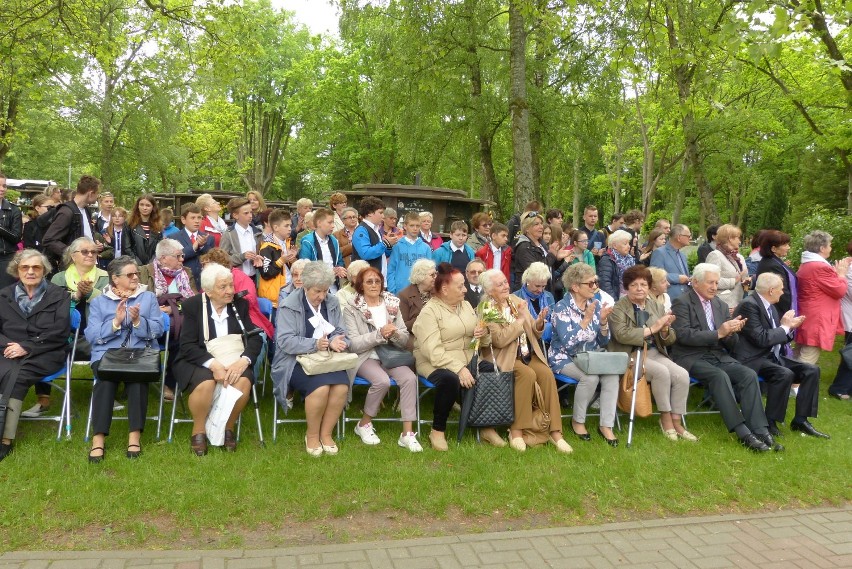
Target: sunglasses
<point x="592" y="284"/>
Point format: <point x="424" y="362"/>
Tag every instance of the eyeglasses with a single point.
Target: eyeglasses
<point x="591" y="284"/>
<point x="372" y="282"/>
<point x="87" y="252"/>
<point x="350" y="217"/>
<point x="131" y="275"/>
<point x="28" y="268"/>
<point x="177" y="255"/>
<point x="582" y="241"/>
<point x="687" y="235"/>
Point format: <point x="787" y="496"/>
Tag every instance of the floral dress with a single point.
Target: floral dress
<point x="568" y="335"/>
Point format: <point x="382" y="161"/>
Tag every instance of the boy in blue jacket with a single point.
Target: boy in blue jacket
<point x="406" y="252"/>
<point x="455" y="251"/>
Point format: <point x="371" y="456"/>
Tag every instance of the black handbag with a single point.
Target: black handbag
<point x="392" y="356"/>
<point x="493" y="398"/>
<point x="130" y="365"/>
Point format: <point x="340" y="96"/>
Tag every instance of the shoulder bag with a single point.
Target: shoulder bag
<point x="130" y="365"/>
<point x="493" y="397"/>
<point x="391" y="356"/>
<point x="644" y="407"/>
<point x="226" y="349"/>
<point x="601" y="363"/>
<point x="539" y="433"/>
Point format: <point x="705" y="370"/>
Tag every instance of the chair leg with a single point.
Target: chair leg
<point x="275" y="422"/>
<point x="257" y="416"/>
<point x="91" y="405"/>
<point x="174" y="410"/>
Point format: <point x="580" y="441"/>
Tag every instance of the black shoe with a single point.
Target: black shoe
<point x="5" y="450"/>
<point x="806" y="428"/>
<point x="134" y="453"/>
<point x="774" y="431"/>
<point x="583" y="436"/>
<point x="752" y="442"/>
<point x="611" y="442"/>
<point x="96" y="459"/>
<point x="769" y="441"/>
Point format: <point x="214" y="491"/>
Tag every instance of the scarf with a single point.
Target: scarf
<point x="390" y="301"/>
<point x="25" y="303"/>
<point x="510" y="313"/>
<point x="73" y="277"/>
<point x="179" y="276"/>
<point x="733" y="255"/>
<point x="623" y="262"/>
<point x="217" y="225"/>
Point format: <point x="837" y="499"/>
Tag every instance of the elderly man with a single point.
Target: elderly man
<point x="671" y="259"/>
<point x="471" y="278"/>
<point x="706" y="335"/>
<point x="763" y="348"/>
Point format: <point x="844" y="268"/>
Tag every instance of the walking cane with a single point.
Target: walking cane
<point x="641" y="319"/>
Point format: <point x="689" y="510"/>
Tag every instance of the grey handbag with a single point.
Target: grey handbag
<point x="392" y="356"/>
<point x="602" y="363"/>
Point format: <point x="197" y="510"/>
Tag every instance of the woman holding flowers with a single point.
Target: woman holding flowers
<point x="372" y="319"/>
<point x="515" y="345"/>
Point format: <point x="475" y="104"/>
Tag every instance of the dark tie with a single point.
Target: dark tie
<point x="118" y="243"/>
<point x="776" y="349"/>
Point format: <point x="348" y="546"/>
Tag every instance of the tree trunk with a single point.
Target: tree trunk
<point x="575" y="203"/>
<point x="7" y="122"/>
<point x="521" y="150"/>
<point x="680" y="193"/>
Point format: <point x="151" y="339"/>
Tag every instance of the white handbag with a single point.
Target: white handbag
<point x="226" y="349"/>
<point x="327" y="361"/>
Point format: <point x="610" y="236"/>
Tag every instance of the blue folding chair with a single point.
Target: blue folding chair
<point x="361" y="382"/>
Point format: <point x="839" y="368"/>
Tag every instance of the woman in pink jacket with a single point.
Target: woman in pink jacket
<point x="821" y="286"/>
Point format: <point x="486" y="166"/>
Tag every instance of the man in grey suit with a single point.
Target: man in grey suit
<point x="706" y="335"/>
<point x="671" y="259"/>
<point x="763" y="348"/>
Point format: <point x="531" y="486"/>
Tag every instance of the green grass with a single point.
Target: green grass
<point x="279" y="496"/>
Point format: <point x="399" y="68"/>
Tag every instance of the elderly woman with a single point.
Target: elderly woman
<point x="534" y="291"/>
<point x="656" y="239"/>
<point x="125" y="312"/>
<point x="373" y="319"/>
<point x="81" y="278"/>
<point x="516" y="346"/>
<point x="214" y="314"/>
<point x="242" y="283"/>
<point x="34" y="332"/>
<point x="659" y="286"/>
<point x="774" y="247"/>
<point x="614" y="262"/>
<point x="295" y="280"/>
<point x="337" y="203"/>
<point x="212" y="223"/>
<point x="581" y="324"/>
<point x="310" y="321"/>
<point x="842" y="386"/>
<point x="347" y="292"/>
<point x="636" y="319"/>
<point x="442" y="336"/>
<point x="733" y="272"/>
<point x="481" y="234"/>
<point x="529" y="248"/>
<point x="821" y="286"/>
<point x="349" y="218"/>
<point x="432" y="239"/>
<point x="414" y="297"/>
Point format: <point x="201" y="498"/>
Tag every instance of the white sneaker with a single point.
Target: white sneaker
<point x="34" y="411"/>
<point x="367" y="434"/>
<point x="409" y="441"/>
<point x="117" y="406"/>
<point x="596" y="404"/>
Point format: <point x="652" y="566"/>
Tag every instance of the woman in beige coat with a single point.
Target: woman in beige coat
<point x="733" y="273"/>
<point x="516" y="345"/>
<point x="669" y="382"/>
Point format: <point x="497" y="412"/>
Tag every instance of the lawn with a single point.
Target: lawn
<point x="279" y="496"/>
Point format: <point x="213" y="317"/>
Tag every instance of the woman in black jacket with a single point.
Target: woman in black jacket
<point x="529" y="248"/>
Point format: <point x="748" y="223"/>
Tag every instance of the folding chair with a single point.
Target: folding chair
<point x="706" y="400"/>
<point x="164" y="351"/>
<point x="429" y="386"/>
<point x="361" y="382"/>
<point x="64" y="417"/>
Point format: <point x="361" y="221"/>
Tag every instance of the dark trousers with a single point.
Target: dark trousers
<point x="842" y="384"/>
<point x="727" y="379"/>
<point x="5" y="278"/>
<point x="446" y="393"/>
<point x="779" y="378"/>
<point x="103" y="398"/>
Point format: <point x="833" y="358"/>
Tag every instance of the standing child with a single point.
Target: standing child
<point x="406" y="252"/>
<point x="497" y="254"/>
<point x="456" y="251"/>
<point x="277" y="256"/>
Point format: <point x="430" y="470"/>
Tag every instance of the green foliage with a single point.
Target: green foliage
<point x="836" y="222"/>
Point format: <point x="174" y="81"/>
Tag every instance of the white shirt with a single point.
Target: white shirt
<point x="378" y="317"/>
<point x="87" y="227"/>
<point x="453" y="247"/>
<point x="498" y="256"/>
<point x="384" y="257"/>
<point x="117" y="244"/>
<point x="325" y="249"/>
<point x="247" y="245"/>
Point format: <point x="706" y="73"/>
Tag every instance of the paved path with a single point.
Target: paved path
<point x="795" y="539"/>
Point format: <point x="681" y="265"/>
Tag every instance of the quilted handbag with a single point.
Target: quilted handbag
<point x="393" y="356"/>
<point x="493" y="399"/>
<point x="130" y="365"/>
<point x="602" y="363"/>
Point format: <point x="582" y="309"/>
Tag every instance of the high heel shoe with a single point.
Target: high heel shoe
<point x="134" y="453"/>
<point x="611" y="442"/>
<point x="96" y="459"/>
<point x="313" y="451"/>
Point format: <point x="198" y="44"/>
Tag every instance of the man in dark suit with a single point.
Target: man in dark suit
<point x="471" y="277"/>
<point x="763" y="348"/>
<point x="193" y="241"/>
<point x="706" y="335"/>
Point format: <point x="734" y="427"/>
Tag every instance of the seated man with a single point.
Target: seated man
<point x="706" y="335"/>
<point x="763" y="348"/>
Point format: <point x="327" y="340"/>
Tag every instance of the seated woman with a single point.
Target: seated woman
<point x="373" y="318"/>
<point x="442" y="336"/>
<point x="347" y="292"/>
<point x="669" y="382"/>
<point x="197" y="370"/>
<point x="34" y="332"/>
<point x="310" y="320"/>
<point x="534" y="292"/>
<point x="580" y="324"/>
<point x="295" y="280"/>
<point x="414" y="297"/>
<point x="126" y="310"/>
<point x="516" y="346"/>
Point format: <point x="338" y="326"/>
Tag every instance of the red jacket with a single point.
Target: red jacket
<point x="486" y="254"/>
<point x="819" y="294"/>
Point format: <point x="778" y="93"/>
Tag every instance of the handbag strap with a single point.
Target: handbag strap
<point x="130" y="330"/>
<point x="204" y="317"/>
<point x="497" y="369"/>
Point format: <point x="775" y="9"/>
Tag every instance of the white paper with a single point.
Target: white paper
<point x="224" y="399"/>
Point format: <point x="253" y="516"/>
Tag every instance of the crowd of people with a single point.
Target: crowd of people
<point x="362" y="293"/>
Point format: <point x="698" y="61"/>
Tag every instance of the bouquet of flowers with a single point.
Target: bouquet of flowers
<point x="487" y="312"/>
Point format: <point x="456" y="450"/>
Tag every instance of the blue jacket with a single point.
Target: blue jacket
<point x="308" y="249"/>
<point x="673" y="262"/>
<point x="403" y="256"/>
<point x="547" y="300"/>
<point x="102" y="309"/>
<point x="444" y="254"/>
<point x="362" y="247"/>
<point x="170" y="231"/>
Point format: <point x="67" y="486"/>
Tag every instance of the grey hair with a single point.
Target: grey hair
<point x="299" y="265"/>
<point x="168" y="247"/>
<point x="767" y="280"/>
<point x="425" y="214"/>
<point x="619" y="236"/>
<point x="487" y="279"/>
<point x="356" y="267"/>
<point x="475" y="261"/>
<point x="537" y="271"/>
<point x="212" y="273"/>
<point x="575" y="274"/>
<point x="679" y="228"/>
<point x="305" y="202"/>
<point x="73" y="248"/>
<point x="420" y="270"/>
<point x="204" y="200"/>
<point x="117" y="265"/>
<point x="816" y="240"/>
<point x="317" y="274"/>
<point x="12" y="268"/>
<point x="702" y="269"/>
<point x="390" y="212"/>
<point x="347" y="210"/>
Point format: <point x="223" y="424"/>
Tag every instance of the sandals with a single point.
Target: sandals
<point x="134" y="453"/>
<point x="93" y="459"/>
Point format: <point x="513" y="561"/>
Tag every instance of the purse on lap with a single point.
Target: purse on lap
<point x="226" y="349"/>
<point x="601" y="363"/>
<point x="326" y="361"/>
<point x="130" y="365"/>
<point x="392" y="356"/>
